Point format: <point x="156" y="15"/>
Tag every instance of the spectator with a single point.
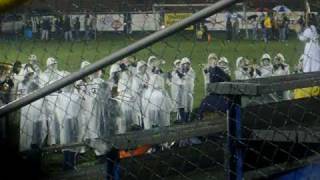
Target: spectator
<point x="268" y="28"/>
<point x="76" y="28"/>
<point x="28" y="29"/>
<point x="53" y="27"/>
<point x="87" y="27"/>
<point x="67" y="29"/>
<point x="229" y="29"/>
<point x="275" y="26"/>
<point x="93" y="25"/>
<point x="45" y="29"/>
<point x="236" y="28"/>
<point x="284" y="28"/>
<point x="286" y="22"/>
<point x="59" y="26"/>
<point x="254" y="30"/>
<point x="263" y="29"/>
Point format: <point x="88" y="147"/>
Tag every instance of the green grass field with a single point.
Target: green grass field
<point x="70" y="54"/>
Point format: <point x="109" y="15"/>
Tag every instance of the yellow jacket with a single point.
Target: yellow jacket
<point x="267" y="22"/>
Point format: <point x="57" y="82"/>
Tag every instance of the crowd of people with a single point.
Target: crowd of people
<point x="266" y="26"/>
<point x="64" y="27"/>
<point x="134" y="97"/>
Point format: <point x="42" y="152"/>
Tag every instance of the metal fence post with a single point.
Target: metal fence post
<point x="112" y="164"/>
<point x="235" y="158"/>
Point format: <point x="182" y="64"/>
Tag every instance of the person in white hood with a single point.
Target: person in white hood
<point x="188" y="89"/>
<point x="139" y="83"/>
<point x="176" y="86"/>
<point x="223" y="63"/>
<point x="50" y="75"/>
<point x="266" y="67"/>
<point x="154" y="65"/>
<point x="88" y="116"/>
<point x="242" y="71"/>
<point x="114" y="74"/>
<point x="280" y="68"/>
<point x="33" y="128"/>
<point x="212" y="62"/>
<point x="310" y="36"/>
<point x="124" y="98"/>
<point x="68" y="111"/>
<point x="156" y="103"/>
<point x="33" y="60"/>
<point x="151" y="63"/>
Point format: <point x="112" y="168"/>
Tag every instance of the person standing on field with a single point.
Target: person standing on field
<point x="310" y="36"/>
<point x="67" y="29"/>
<point x="45" y="29"/>
<point x="76" y="28"/>
<point x="268" y="28"/>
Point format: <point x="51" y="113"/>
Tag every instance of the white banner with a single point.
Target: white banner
<point x="110" y="22"/>
<point x="145" y="22"/>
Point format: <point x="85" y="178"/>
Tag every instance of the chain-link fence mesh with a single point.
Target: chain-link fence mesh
<point x="233" y="95"/>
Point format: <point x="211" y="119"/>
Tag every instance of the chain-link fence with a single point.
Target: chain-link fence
<point x="177" y="91"/>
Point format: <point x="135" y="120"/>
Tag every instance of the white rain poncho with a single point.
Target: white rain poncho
<point x="69" y="88"/>
<point x="51" y="104"/>
<point x="156" y="103"/>
<point x="33" y="128"/>
<point x="176" y="86"/>
<point x="68" y="113"/>
<point x="242" y="70"/>
<point x="95" y="103"/>
<point x="188" y="85"/>
<point x="98" y="90"/>
<point x="151" y="64"/>
<point x="88" y="118"/>
<point x="266" y="67"/>
<point x="51" y="74"/>
<point x="223" y="63"/>
<point x="114" y="74"/>
<point x="107" y="109"/>
<point x="126" y="104"/>
<point x="139" y="81"/>
<point x="33" y="60"/>
<point x="280" y="68"/>
<point x="311" y="61"/>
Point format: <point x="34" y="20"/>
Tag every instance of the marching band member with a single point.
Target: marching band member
<point x="266" y="67"/>
<point x="242" y="71"/>
<point x="212" y="62"/>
